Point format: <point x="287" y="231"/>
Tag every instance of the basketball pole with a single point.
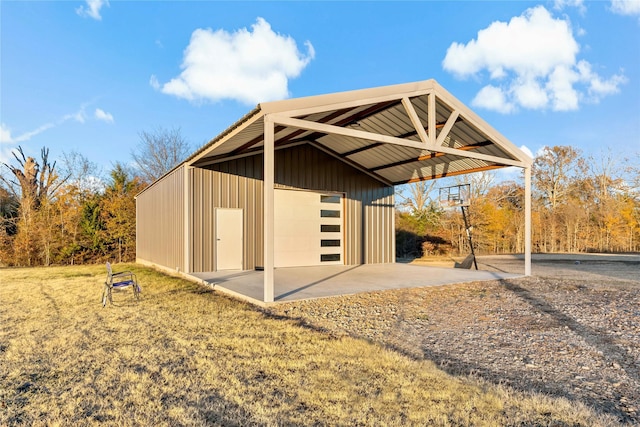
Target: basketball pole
<point x="466" y="226"/>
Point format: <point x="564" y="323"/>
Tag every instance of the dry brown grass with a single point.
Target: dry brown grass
<point x="188" y="356"/>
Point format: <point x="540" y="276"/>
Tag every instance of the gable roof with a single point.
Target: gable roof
<point x="397" y="134"/>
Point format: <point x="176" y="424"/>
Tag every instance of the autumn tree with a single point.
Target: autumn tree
<point x="118" y="212"/>
<point x="417" y="217"/>
<point x="158" y="152"/>
<point x="81" y="193"/>
<point x="553" y="171"/>
<point x="8" y="213"/>
<point x="34" y="185"/>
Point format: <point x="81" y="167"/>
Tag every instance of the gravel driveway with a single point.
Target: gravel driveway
<point x="571" y="330"/>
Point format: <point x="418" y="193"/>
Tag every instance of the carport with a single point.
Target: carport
<point x="308" y="183"/>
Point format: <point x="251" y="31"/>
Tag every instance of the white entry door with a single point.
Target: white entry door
<point x="229" y="239"/>
<point x="308" y="228"/>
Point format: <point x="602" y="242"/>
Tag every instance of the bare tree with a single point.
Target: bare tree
<point x="159" y="151"/>
<point x="33" y="183"/>
<point x="553" y="171"/>
<point x="83" y="174"/>
<point x="481" y="183"/>
<point x="418" y="197"/>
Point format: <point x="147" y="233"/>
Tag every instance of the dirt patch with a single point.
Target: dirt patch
<point x="578" y="339"/>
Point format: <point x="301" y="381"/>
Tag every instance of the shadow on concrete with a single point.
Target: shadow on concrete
<point x="317" y="282"/>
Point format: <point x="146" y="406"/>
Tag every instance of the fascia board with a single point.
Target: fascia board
<point x="350" y="99"/>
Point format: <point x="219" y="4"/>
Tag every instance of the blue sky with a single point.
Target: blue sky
<point x="90" y="76"/>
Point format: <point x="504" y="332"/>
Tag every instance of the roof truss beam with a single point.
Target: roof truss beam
<point x="446" y="174"/>
<point x="431" y="118"/>
<point x="428" y="156"/>
<point x="370" y="136"/>
<point x="355" y="165"/>
<point x="453" y="118"/>
<point x="415" y="120"/>
<point x="353" y="133"/>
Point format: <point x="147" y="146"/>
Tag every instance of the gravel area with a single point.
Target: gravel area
<point x="575" y="338"/>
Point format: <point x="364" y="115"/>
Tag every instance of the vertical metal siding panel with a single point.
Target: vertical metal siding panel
<point x="202" y="232"/>
<point x="380" y="225"/>
<point x="259" y="220"/>
<point x="207" y="226"/>
<point x="196" y="225"/>
<point x="368" y="223"/>
<point x="160" y="221"/>
<point x="369" y="235"/>
<point x="226" y="187"/>
<point x="250" y="218"/>
<point x="373" y="226"/>
<point x="391" y="225"/>
<point x="196" y="230"/>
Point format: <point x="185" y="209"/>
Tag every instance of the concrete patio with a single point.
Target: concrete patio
<point x="299" y="283"/>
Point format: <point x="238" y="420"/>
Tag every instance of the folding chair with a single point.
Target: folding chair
<point x="119" y="280"/>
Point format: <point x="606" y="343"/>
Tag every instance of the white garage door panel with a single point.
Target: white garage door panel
<point x="297" y="229"/>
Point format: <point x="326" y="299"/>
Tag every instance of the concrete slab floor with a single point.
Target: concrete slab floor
<point x="299" y="283"/>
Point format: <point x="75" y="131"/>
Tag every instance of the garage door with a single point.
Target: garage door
<point x="308" y="228"/>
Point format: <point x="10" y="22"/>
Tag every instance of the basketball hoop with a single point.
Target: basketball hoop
<point x="454" y="196"/>
<point x="459" y="196"/>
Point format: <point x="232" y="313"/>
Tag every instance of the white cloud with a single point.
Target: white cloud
<point x="92" y="9"/>
<point x="530" y="44"/>
<point x="529" y="94"/>
<point x="626" y="7"/>
<point x="79" y="116"/>
<point x="104" y="116"/>
<point x="153" y="81"/>
<point x="493" y="98"/>
<point x="5" y="134"/>
<point x="248" y="66"/>
<point x="6" y="137"/>
<point x="578" y="4"/>
<point x="8" y="142"/>
<point x="597" y="86"/>
<point x="533" y="57"/>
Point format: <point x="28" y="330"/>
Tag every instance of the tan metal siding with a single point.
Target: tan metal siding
<point x="160" y="222"/>
<point x="238" y="184"/>
<point x="222" y="189"/>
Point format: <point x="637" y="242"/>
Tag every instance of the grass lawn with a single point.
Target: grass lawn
<point x="185" y="355"/>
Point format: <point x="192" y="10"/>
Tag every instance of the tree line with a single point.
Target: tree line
<point x="578" y="205"/>
<point x="70" y="214"/>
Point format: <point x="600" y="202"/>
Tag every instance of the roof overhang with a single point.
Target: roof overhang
<point x="397" y="134"/>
